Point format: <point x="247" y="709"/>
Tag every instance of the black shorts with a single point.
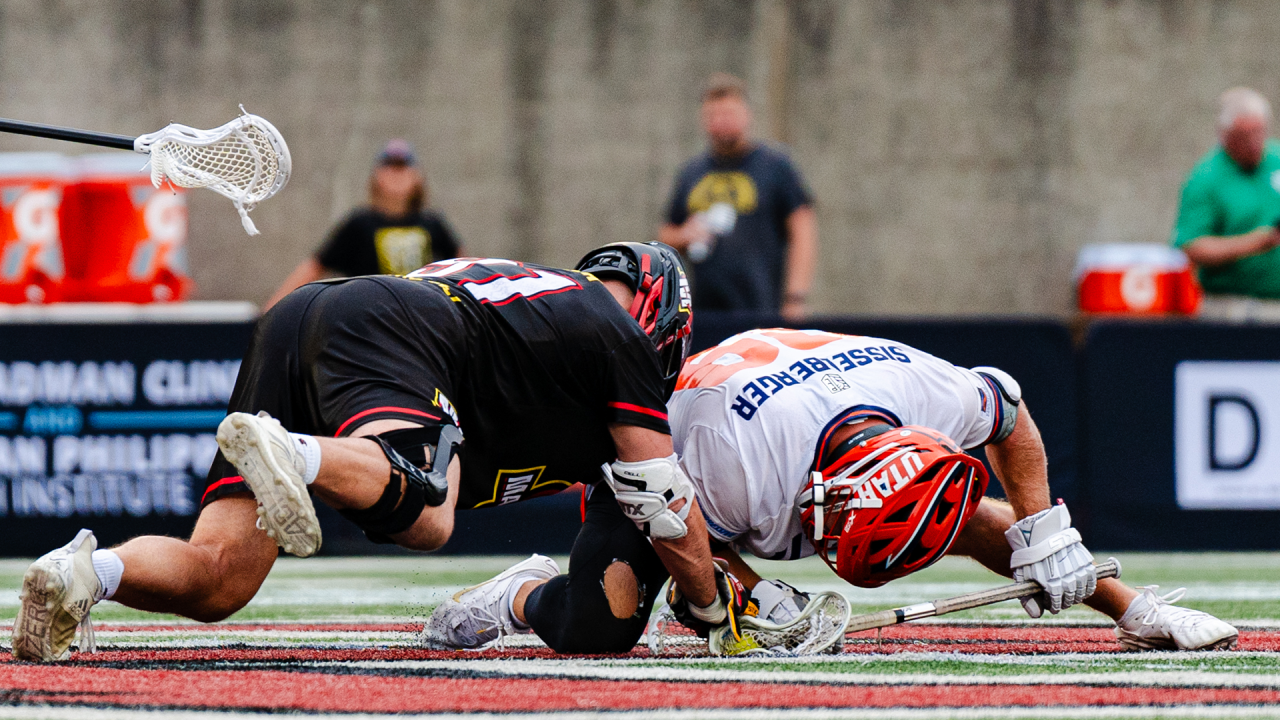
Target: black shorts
<point x="334" y="355"/>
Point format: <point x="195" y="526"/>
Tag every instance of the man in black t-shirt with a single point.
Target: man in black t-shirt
<point x="742" y="214"/>
<point x="468" y="383"/>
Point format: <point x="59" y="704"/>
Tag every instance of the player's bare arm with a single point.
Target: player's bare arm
<point x="687" y="558"/>
<point x="1022" y="467"/>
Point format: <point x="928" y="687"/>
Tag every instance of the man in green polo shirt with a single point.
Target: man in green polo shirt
<point x="1231" y="204"/>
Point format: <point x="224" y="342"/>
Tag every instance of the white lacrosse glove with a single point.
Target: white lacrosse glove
<point x="1048" y="550"/>
<point x="778" y="602"/>
<point x="646" y="490"/>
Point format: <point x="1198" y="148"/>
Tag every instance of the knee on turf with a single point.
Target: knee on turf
<point x="611" y="626"/>
<point x="621" y="589"/>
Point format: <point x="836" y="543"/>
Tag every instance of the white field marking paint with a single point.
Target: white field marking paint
<point x="983" y="713"/>
<point x="525" y="668"/>
<point x="242" y="633"/>
<point x="322" y="592"/>
<point x="906" y="593"/>
<point x="1174" y="659"/>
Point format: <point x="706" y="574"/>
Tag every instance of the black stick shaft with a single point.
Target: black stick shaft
<point x="54" y="132"/>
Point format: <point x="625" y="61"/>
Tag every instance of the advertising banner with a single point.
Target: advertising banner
<point x="1227" y="440"/>
<point x="1180" y="443"/>
<point x="109" y="427"/>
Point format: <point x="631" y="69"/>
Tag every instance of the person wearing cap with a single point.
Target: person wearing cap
<point x="393" y="235"/>
<point x="1229" y="213"/>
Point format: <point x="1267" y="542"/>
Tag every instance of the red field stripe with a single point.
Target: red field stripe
<point x="269" y="627"/>
<point x="978" y="641"/>
<point x="319" y="692"/>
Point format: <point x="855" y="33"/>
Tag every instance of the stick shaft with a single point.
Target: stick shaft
<point x="19" y="127"/>
<point x="885" y="618"/>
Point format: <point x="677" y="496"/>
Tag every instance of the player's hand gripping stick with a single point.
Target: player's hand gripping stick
<point x="980" y="598"/>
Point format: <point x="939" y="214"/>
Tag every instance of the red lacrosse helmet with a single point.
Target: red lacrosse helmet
<point x="889" y="501"/>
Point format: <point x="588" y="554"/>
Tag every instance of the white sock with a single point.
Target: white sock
<point x="109" y="567"/>
<point x="512" y="591"/>
<point x="310" y="451"/>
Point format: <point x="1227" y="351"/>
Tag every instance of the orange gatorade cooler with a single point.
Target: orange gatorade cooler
<point x="1136" y="278"/>
<point x="126" y="241"/>
<point x="31" y="253"/>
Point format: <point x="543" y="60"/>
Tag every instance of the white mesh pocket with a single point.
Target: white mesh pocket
<point x="819" y="629"/>
<point x="245" y="160"/>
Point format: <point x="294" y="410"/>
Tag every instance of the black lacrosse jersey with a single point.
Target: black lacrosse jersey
<point x="549" y="359"/>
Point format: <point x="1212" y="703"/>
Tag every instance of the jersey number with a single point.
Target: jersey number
<point x="498" y="282"/>
<point x="712" y="367"/>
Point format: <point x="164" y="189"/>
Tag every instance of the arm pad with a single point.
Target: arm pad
<point x="1008" y="394"/>
<point x="646" y="490"/>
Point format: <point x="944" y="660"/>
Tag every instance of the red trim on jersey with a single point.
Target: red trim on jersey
<point x="638" y="409"/>
<point x="370" y="411"/>
<point x="220" y="483"/>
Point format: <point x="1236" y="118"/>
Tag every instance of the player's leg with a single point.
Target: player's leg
<point x="1144" y="621"/>
<point x="356" y="474"/>
<point x="603" y="603"/>
<point x="206" y="578"/>
<point x="370" y="482"/>
<point x="601" y="606"/>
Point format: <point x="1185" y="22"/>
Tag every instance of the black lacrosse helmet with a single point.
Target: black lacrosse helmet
<point x="662" y="304"/>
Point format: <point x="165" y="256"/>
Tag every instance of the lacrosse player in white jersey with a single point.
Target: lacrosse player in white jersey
<point x="804" y="441"/>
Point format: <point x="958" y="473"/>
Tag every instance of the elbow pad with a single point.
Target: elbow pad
<point x="646" y="490"/>
<point x="1008" y="394"/>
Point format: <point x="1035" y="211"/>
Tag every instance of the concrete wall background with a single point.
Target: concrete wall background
<point x="961" y="151"/>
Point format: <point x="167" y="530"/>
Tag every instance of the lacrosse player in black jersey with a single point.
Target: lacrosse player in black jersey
<point x="470" y="382"/>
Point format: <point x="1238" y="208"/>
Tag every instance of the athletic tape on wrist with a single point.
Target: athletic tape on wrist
<point x="714" y="613"/>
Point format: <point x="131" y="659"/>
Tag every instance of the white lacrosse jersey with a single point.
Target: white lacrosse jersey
<point x="750" y="415"/>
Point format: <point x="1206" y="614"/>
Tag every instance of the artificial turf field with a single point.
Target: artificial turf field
<point x="336" y="636"/>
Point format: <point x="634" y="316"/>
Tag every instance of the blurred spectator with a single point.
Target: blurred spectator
<point x="392" y="235"/>
<point x="742" y="215"/>
<point x="1229" y="211"/>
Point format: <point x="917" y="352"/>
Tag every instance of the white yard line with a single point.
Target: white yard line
<point x="1045" y="713"/>
<point x="568" y="669"/>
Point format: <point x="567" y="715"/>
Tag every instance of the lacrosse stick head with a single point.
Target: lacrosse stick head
<point x="889" y="501"/>
<point x="818" y="629"/>
<point x="245" y="160"/>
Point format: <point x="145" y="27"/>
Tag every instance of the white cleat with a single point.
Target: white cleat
<point x="482" y="613"/>
<point x="260" y="448"/>
<point x="1152" y="622"/>
<point x="57" y="593"/>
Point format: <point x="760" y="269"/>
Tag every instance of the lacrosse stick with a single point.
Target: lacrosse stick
<point x="968" y="601"/>
<point x="246" y="160"/>
<point x="818" y="629"/>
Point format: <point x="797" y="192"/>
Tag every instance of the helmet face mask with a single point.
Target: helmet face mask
<point x="890" y="504"/>
<point x="662" y="304"/>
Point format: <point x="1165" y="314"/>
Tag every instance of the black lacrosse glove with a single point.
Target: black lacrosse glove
<point x="732" y="602"/>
